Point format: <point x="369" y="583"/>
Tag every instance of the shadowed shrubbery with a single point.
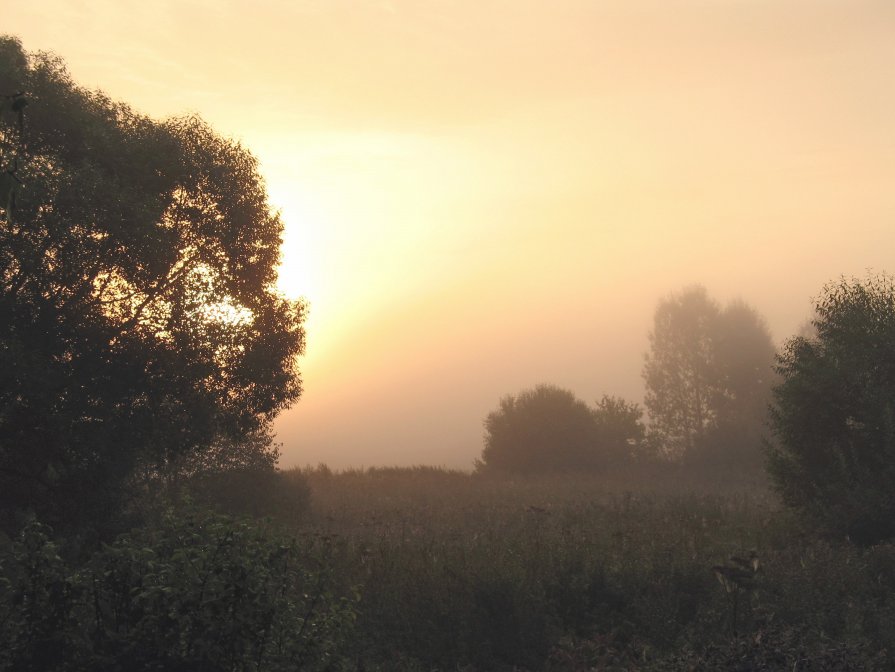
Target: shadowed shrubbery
<point x="834" y="413"/>
<point x="548" y="429"/>
<point x="257" y="493"/>
<point x="487" y="574"/>
<point x="196" y="591"/>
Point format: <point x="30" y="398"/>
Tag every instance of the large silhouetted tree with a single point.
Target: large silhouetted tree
<point x="140" y="332"/>
<point x="834" y="412"/>
<point x="708" y="375"/>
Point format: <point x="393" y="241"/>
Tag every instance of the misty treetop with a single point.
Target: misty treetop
<point x="140" y="328"/>
<point x="708" y="374"/>
<point x="708" y="379"/>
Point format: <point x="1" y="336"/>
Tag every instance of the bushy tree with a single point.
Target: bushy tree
<point x="619" y="429"/>
<point x="139" y="325"/>
<point x="834" y="412"/>
<point x="708" y="374"/>
<point x="548" y="429"/>
<point x="540" y="430"/>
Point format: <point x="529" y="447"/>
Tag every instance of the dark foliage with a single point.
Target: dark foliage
<point x="548" y="429"/>
<point x="620" y="432"/>
<point x="253" y="492"/>
<point x="140" y="333"/>
<point x="195" y="592"/>
<point x="571" y="573"/>
<point x="834" y="412"/>
<point x="543" y="429"/>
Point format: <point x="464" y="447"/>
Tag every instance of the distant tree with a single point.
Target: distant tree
<point x="744" y="361"/>
<point x="619" y="429"/>
<point x="140" y="331"/>
<point x="679" y="370"/>
<point x="540" y="430"/>
<point x="833" y="415"/>
<point x="708" y="372"/>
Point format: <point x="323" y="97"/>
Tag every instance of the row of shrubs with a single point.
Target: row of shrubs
<point x="193" y="590"/>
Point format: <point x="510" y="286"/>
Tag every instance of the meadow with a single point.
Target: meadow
<point x="453" y="571"/>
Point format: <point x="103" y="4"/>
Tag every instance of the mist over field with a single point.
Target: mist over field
<point x="483" y="197"/>
<point x="427" y="335"/>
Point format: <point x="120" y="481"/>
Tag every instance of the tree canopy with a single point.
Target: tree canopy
<point x="542" y="429"/>
<point x="548" y="429"/>
<point x="834" y="412"/>
<point x="140" y="328"/>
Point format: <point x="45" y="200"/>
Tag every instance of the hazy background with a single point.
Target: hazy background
<point x="481" y="196"/>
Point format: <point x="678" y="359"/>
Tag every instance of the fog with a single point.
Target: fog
<point x="483" y="196"/>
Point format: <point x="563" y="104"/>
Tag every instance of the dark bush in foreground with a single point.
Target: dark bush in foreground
<point x="834" y="413"/>
<point x="197" y="592"/>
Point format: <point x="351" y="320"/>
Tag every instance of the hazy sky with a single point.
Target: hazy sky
<point x="484" y="195"/>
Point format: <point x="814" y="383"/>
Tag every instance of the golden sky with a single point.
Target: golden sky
<point x="484" y="195"/>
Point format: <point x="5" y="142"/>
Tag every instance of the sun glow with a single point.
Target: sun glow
<point x="298" y="274"/>
<point x="475" y="201"/>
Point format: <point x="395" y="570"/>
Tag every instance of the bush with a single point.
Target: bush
<point x="544" y="429"/>
<point x="834" y="413"/>
<point x="197" y="592"/>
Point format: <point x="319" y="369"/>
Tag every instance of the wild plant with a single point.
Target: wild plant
<point x="738" y="577"/>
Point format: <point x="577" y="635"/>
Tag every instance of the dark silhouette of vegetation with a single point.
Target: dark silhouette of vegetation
<point x="620" y="432"/>
<point x="548" y="429"/>
<point x="194" y="591"/>
<point x="708" y="378"/>
<point x="141" y="338"/>
<point x="257" y="493"/>
<point x="572" y="572"/>
<point x="144" y="354"/>
<point x="834" y="412"/>
<point x="543" y="429"/>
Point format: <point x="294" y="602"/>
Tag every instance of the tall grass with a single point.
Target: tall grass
<point x="460" y="571"/>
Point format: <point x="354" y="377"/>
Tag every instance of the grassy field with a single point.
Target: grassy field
<point x="461" y="572"/>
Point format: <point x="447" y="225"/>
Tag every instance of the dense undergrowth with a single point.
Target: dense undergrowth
<point x="461" y="572"/>
<point x="191" y="591"/>
<point x="424" y="569"/>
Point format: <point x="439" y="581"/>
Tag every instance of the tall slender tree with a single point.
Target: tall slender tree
<point x="680" y="372"/>
<point x="708" y="371"/>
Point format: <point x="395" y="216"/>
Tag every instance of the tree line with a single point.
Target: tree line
<point x="818" y="416"/>
<point x="708" y="377"/>
<point x="142" y="341"/>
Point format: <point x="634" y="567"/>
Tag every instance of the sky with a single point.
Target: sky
<point x="484" y="195"/>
